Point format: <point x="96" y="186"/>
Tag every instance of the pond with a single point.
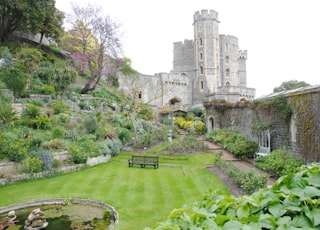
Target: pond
<point x="62" y="214"/>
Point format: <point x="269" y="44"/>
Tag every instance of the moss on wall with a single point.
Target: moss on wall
<point x="306" y="109"/>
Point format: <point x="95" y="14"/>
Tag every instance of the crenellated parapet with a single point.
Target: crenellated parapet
<point x="243" y="54"/>
<point x="205" y="15"/>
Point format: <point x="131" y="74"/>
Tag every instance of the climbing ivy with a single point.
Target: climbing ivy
<point x="277" y="105"/>
<point x="306" y="108"/>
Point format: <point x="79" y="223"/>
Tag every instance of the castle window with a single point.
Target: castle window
<point x="201" y="42"/>
<point x="227" y="59"/>
<point x="201" y="85"/>
<point x="140" y="95"/>
<point x="201" y="56"/>
<point x="227" y="73"/>
<point x="201" y="69"/>
<point x="227" y="84"/>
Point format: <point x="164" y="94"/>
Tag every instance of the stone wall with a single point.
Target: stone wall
<point x="244" y="118"/>
<point x="299" y="132"/>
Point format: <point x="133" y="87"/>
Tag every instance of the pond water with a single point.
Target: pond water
<point x="64" y="217"/>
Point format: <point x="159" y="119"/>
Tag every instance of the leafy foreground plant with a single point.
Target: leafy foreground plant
<point x="293" y="202"/>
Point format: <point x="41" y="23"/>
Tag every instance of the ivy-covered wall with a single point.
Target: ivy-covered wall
<point x="293" y="119"/>
<point x="306" y="129"/>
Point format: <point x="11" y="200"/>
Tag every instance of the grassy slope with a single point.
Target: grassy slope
<point x="142" y="197"/>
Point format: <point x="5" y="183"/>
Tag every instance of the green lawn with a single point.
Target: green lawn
<point x="142" y="196"/>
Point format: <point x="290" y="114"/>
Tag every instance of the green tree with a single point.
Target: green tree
<point x="15" y="79"/>
<point x="61" y="78"/>
<point x="32" y="16"/>
<point x="288" y="85"/>
<point x="51" y="25"/>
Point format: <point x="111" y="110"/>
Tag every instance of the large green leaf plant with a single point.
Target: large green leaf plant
<point x="293" y="202"/>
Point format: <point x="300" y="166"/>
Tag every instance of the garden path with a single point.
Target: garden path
<point x="245" y="165"/>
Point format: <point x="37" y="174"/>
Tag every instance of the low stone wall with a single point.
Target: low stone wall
<point x="98" y="160"/>
<point x="61" y="201"/>
<point x="61" y="156"/>
<point x="9" y="171"/>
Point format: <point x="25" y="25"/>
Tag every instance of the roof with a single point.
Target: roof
<point x="292" y="91"/>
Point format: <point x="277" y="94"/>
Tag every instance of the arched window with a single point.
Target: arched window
<point x="210" y="124"/>
<point x="227" y="83"/>
<point x="201" y="42"/>
<point x="201" y="56"/>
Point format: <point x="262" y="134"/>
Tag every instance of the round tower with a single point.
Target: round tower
<point x="229" y="51"/>
<point x="206" y="51"/>
<point x="243" y="55"/>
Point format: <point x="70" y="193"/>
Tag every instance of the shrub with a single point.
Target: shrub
<point x="47" y="159"/>
<point x="38" y="103"/>
<point x="279" y="162"/>
<point x="103" y="148"/>
<point x="146" y="113"/>
<point x="58" y="106"/>
<point x="146" y="140"/>
<point x="78" y="156"/>
<point x="35" y="142"/>
<point x="91" y="123"/>
<point x="7" y="113"/>
<point x="200" y="127"/>
<point x="115" y="146"/>
<point x="88" y="147"/>
<point x="124" y="135"/>
<point x="234" y="142"/>
<point x="244" y="149"/>
<point x="58" y="133"/>
<point x="188" y="144"/>
<point x="32" y="117"/>
<point x="32" y="164"/>
<point x="70" y="134"/>
<point x="13" y="147"/>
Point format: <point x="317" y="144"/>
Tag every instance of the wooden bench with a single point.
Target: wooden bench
<point x="144" y="160"/>
<point x="263" y="151"/>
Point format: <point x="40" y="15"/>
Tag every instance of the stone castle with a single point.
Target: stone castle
<point x="210" y="66"/>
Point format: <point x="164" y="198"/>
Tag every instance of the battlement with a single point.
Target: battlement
<point x="186" y="42"/>
<point x="205" y="14"/>
<point x="243" y="54"/>
<point x="228" y="39"/>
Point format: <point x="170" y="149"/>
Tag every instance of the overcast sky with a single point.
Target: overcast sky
<point x="282" y="37"/>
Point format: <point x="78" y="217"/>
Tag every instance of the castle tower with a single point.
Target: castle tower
<point x="229" y="61"/>
<point x="207" y="53"/>
<point x="243" y="68"/>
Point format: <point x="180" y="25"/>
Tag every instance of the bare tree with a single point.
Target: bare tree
<point x="97" y="35"/>
<point x="135" y="86"/>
